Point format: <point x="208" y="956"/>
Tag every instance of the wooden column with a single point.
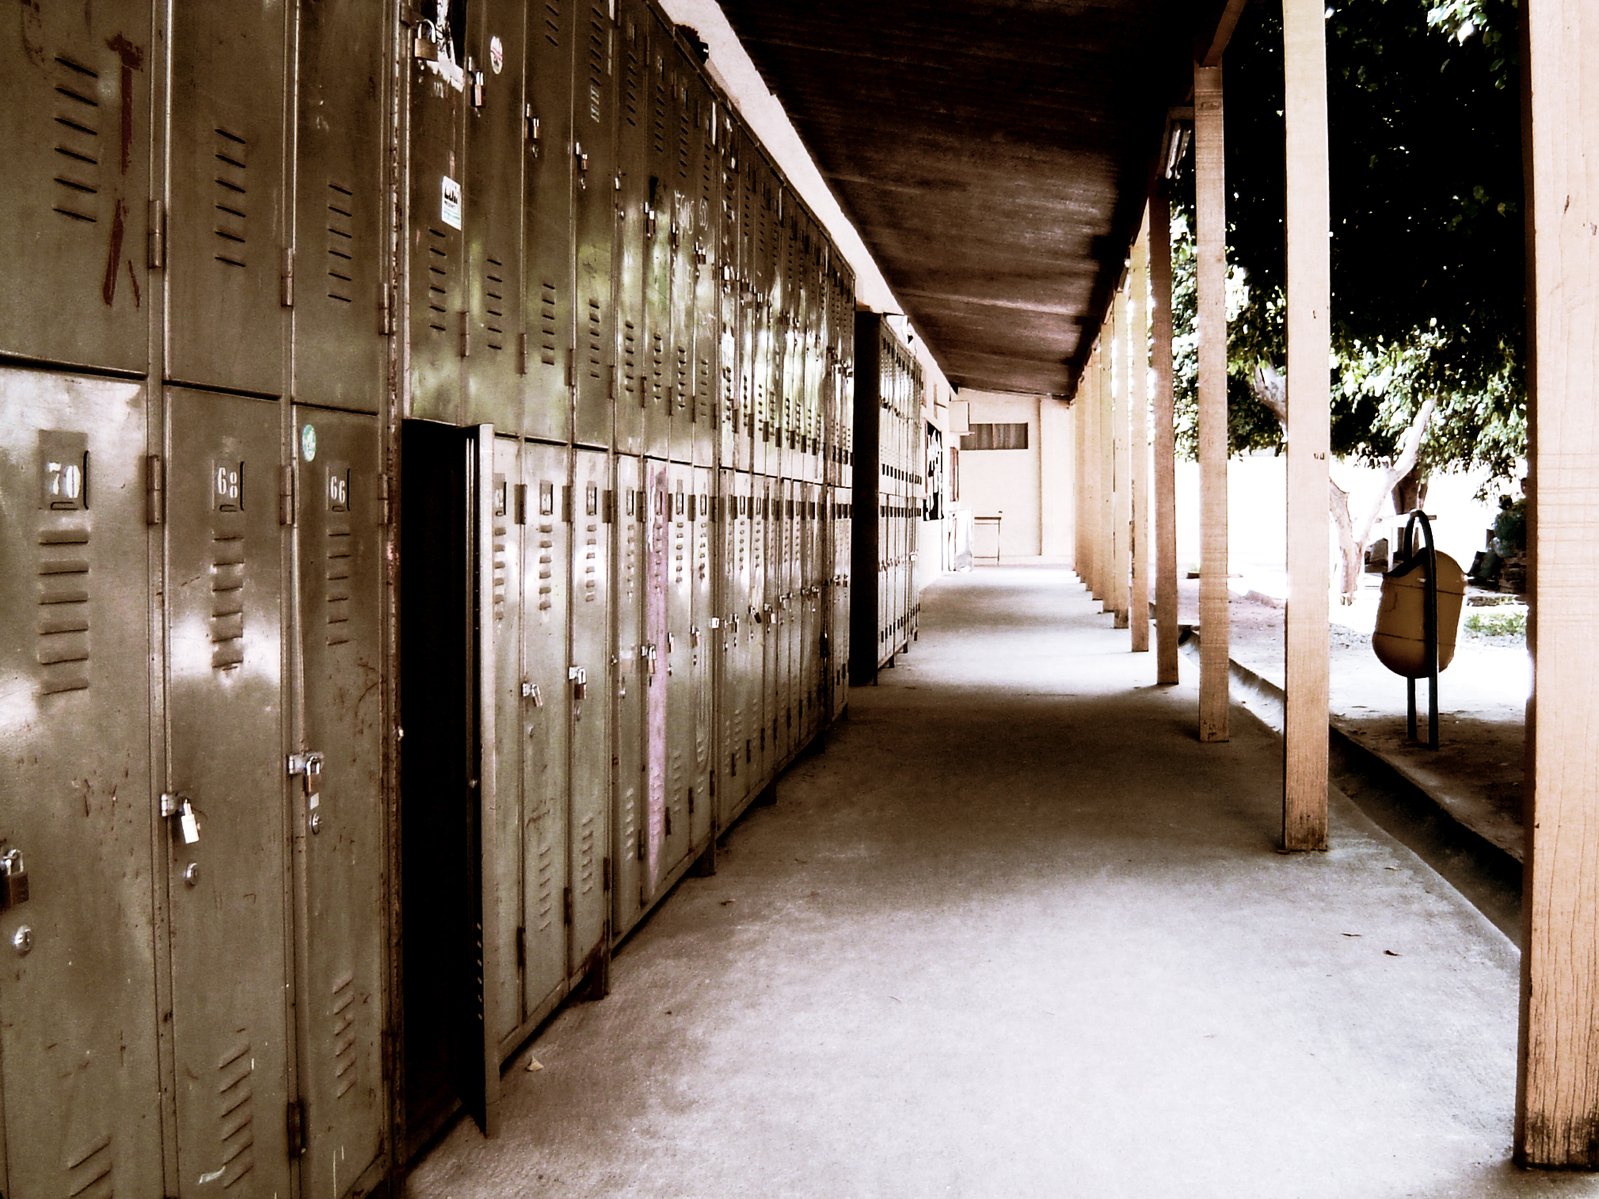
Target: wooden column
<point x="1138" y="437"/>
<point x="1211" y="220"/>
<point x="1122" y="515"/>
<point x="1107" y="475"/>
<point x="1165" y="440"/>
<point x="1309" y="288"/>
<point x="1557" y="1094"/>
<point x="1088" y="403"/>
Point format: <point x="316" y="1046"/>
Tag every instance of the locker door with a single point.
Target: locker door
<point x="75" y="88"/>
<point x="226" y="230"/>
<point x="707" y="259"/>
<point x="550" y="156"/>
<point x="701" y="650"/>
<point x="729" y="731"/>
<point x="632" y="198"/>
<point x="659" y="219"/>
<point x="657" y="587"/>
<point x="339" y="349"/>
<point x="631" y="687"/>
<point x="507" y="516"/>
<point x="680" y="698"/>
<point x="448" y="792"/>
<point x="338" y="826"/>
<point x="78" y="1058"/>
<point x="594" y="124"/>
<point x="546" y="716"/>
<point x="226" y="890"/>
<point x="438" y="205"/>
<point x="590" y="691"/>
<point x="743" y="298"/>
<point x="684" y="239"/>
<point x="495" y="132"/>
<point x="771" y="632"/>
<point x="788" y="623"/>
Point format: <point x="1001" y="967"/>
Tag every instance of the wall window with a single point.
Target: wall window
<point x="996" y="437"/>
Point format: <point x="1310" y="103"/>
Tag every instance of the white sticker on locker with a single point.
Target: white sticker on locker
<point x="450" y="208"/>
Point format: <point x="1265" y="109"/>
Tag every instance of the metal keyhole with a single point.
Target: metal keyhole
<point x="191" y="874"/>
<point x="22" y="940"/>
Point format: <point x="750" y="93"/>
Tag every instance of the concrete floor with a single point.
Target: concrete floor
<point x="1017" y="933"/>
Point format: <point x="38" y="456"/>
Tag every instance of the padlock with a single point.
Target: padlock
<point x="425" y="45"/>
<point x="580" y="682"/>
<point x="531" y="691"/>
<point x="188" y="824"/>
<point x="13" y="879"/>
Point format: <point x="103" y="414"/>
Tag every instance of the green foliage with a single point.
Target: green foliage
<point x="1498" y="622"/>
<point x="1427" y="248"/>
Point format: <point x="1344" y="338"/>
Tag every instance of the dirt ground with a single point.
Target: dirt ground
<point x="1477" y="770"/>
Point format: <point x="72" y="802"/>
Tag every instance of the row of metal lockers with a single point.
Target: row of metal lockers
<point x="427" y="511"/>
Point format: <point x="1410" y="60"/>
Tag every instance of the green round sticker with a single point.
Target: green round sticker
<point x="308" y="443"/>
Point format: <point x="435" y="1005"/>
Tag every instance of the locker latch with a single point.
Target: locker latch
<point x="531" y="691"/>
<point x="648" y="653"/>
<point x="582" y="158"/>
<point x="474" y="83"/>
<point x="694" y="636"/>
<point x="580" y="682"/>
<point x="533" y="124"/>
<point x="307" y="767"/>
<point x="13" y="878"/>
<point x="177" y="806"/>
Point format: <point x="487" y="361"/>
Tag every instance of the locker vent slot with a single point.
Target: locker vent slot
<point x="545" y="889"/>
<point x="227" y="600"/>
<point x="658" y="111"/>
<point x="685" y="130"/>
<point x="657" y="368"/>
<point x="341" y="243"/>
<point x="501" y="528"/>
<point x="237" y="1115"/>
<point x="591" y="567"/>
<point x="494" y="303"/>
<point x="599" y="56"/>
<point x="546" y="568"/>
<point x="549" y="297"/>
<point x="343" y="1030"/>
<point x="77" y="120"/>
<point x="630" y="358"/>
<point x="596" y="340"/>
<point x="63" y="648"/>
<point x="682" y="380"/>
<point x="338" y="578"/>
<point x="438" y="280"/>
<point x="630" y="80"/>
<point x="89" y="1173"/>
<point x="552" y="22"/>
<point x="232" y="196"/>
<point x="587" y="875"/>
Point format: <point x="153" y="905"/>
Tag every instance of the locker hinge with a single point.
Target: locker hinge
<point x="610" y="507"/>
<point x="155" y="483"/>
<point x="566" y="905"/>
<point x="566" y="504"/>
<point x="605" y="875"/>
<point x="466" y="335"/>
<point x="288" y="276"/>
<point x="158" y="235"/>
<point x="286" y="496"/>
<point x="386" y="311"/>
<point x="571" y="367"/>
<point x="296" y="1127"/>
<point x="384" y="514"/>
<point x="521" y="354"/>
<point x="521" y="948"/>
<point x="521" y="503"/>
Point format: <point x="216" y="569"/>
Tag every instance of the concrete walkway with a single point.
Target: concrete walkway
<point x="1017" y="933"/>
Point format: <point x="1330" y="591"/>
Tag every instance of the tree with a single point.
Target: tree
<point x="1427" y="249"/>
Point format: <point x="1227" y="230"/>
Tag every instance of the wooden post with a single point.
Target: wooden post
<point x="1138" y="403"/>
<point x="1211" y="220"/>
<point x="1309" y="290"/>
<point x="1107" y="475"/>
<point x="1088" y="402"/>
<point x="1165" y="440"/>
<point x="1078" y="480"/>
<point x="1122" y="515"/>
<point x="1557" y="1093"/>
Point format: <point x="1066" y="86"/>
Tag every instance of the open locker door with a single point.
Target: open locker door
<point x="447" y="790"/>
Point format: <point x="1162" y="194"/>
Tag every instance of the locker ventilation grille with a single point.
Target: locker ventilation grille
<point x="89" y="1174"/>
<point x="599" y="52"/>
<point x="586" y="873"/>
<point x="596" y="340"/>
<point x="544" y="884"/>
<point x="682" y="380"/>
<point x="630" y="78"/>
<point x="63" y="648"/>
<point x="657" y="368"/>
<point x="549" y="298"/>
<point x="552" y="22"/>
<point x="630" y="358"/>
<point x="237" y="1115"/>
<point x="494" y="303"/>
<point x="591" y="566"/>
<point x="338" y="577"/>
<point x="343" y="1029"/>
<point x="501" y="529"/>
<point x="658" y="113"/>
<point x="227" y="600"/>
<point x="546" y="566"/>
<point x="341" y="243"/>
<point x="77" y="148"/>
<point x="232" y="196"/>
<point x="438" y="276"/>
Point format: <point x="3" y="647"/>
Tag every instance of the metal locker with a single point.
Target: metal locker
<point x="551" y="157"/>
<point x="755" y="638"/>
<point x="659" y="223"/>
<point x="656" y="650"/>
<point x="707" y="253"/>
<point x="229" y="272"/>
<point x="589" y="691"/>
<point x="594" y="119"/>
<point x="632" y="200"/>
<point x="742" y="180"/>
<point x="506" y="516"/>
<point x="78" y="1056"/>
<point x="435" y="241"/>
<point x="546" y="722"/>
<point x="227" y="833"/>
<point x="679" y="654"/>
<point x="787" y="624"/>
<point x="75" y="88"/>
<point x="772" y="633"/>
<point x="632" y="668"/>
<point x="702" y="648"/>
<point x="336" y="792"/>
<point x="810" y="628"/>
<point x="341" y="254"/>
<point x="730" y="419"/>
<point x="685" y="237"/>
<point x="762" y="283"/>
<point x="496" y="125"/>
<point x="732" y="588"/>
<point x="448" y="788"/>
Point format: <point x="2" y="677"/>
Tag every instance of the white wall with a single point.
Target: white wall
<point x="1056" y="451"/>
<point x="995" y="482"/>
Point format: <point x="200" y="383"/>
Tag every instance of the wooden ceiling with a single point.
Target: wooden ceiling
<point x="995" y="155"/>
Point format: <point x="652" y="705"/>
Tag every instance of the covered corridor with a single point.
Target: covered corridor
<point x="988" y="944"/>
